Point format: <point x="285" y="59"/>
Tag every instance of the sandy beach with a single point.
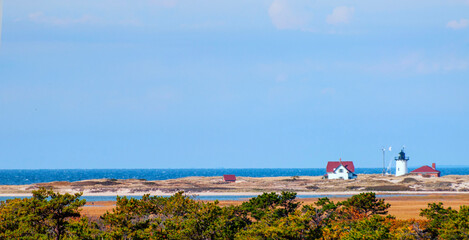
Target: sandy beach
<point x="213" y="186"/>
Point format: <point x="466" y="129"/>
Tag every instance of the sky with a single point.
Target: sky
<point x="232" y="84"/>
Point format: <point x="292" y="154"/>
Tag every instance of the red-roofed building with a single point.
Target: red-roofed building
<point x="229" y="178"/>
<point x="340" y="170"/>
<point x="427" y="171"/>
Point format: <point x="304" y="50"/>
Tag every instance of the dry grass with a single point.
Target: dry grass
<point x="403" y="207"/>
<point x="407" y="207"/>
<point x="96" y="209"/>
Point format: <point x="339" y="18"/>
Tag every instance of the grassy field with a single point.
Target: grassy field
<point x="403" y="207"/>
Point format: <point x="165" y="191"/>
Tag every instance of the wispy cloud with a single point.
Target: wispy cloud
<point x="328" y="91"/>
<point x="461" y="1"/>
<point x="39" y="17"/>
<point x="130" y="22"/>
<point x="293" y="14"/>
<point x="417" y="63"/>
<point x="204" y="25"/>
<point x="341" y="15"/>
<point x="281" y="78"/>
<point x="164" y="3"/>
<point x="455" y="24"/>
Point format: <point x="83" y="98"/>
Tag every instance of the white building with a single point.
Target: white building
<point x="340" y="170"/>
<point x="401" y="164"/>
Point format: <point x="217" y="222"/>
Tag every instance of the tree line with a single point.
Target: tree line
<point x="51" y="215"/>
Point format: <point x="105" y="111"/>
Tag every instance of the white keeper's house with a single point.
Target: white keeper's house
<point x="340" y="170"/>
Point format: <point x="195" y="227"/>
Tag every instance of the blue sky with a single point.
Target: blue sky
<point x="232" y="84"/>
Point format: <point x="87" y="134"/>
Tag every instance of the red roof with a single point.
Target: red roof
<point x="229" y="177"/>
<point x="331" y="166"/>
<point x="425" y="169"/>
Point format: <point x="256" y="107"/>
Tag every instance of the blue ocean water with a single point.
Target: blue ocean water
<point x="20" y="177"/>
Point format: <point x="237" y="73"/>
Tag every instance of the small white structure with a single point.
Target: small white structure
<point x="340" y="170"/>
<point x="401" y="164"/>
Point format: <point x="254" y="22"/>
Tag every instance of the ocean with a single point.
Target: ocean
<point x="21" y="177"/>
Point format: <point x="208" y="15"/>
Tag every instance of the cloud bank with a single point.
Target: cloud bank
<point x="455" y="24"/>
<point x="164" y="3"/>
<point x="340" y="15"/>
<point x="290" y="14"/>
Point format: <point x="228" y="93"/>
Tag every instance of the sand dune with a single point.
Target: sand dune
<point x="249" y="185"/>
<point x="408" y="194"/>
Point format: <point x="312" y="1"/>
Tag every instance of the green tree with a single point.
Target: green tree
<point x="83" y="229"/>
<point x="366" y="204"/>
<point x="457" y="226"/>
<point x="175" y="217"/>
<point x="280" y="204"/>
<point x="50" y="215"/>
<point x="294" y="226"/>
<point x="447" y="223"/>
<point x="437" y="216"/>
<point x="371" y="228"/>
<point x="46" y="215"/>
<point x="326" y="211"/>
<point x="133" y="218"/>
<point x="229" y="222"/>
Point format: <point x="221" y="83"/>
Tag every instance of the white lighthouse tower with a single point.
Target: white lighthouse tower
<point x="401" y="164"/>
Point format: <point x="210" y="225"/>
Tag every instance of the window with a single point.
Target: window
<point x="341" y="170"/>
